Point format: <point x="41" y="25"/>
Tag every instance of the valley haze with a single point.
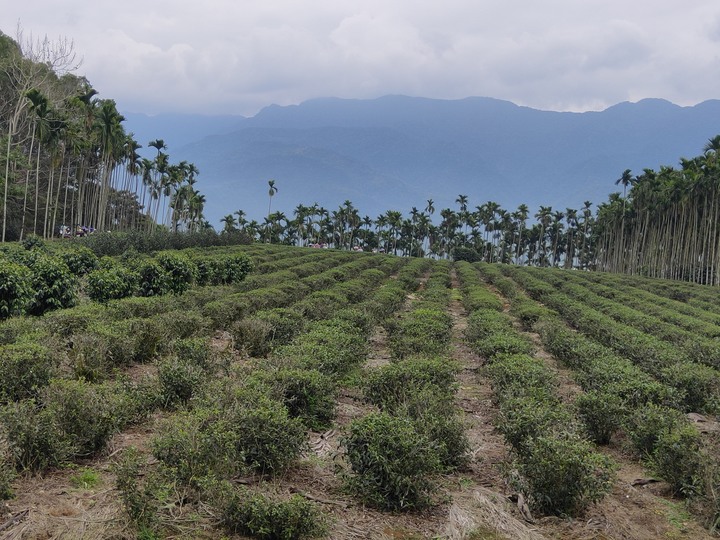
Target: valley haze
<point x="395" y="152"/>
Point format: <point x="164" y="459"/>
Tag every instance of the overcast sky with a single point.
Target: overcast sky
<point x="237" y="56"/>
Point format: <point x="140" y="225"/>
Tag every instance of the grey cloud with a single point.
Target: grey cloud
<point x="237" y="56"/>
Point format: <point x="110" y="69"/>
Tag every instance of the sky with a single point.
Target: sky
<point x="238" y="56"/>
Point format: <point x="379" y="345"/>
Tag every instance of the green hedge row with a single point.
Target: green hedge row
<point x="558" y="467"/>
<point x="620" y="396"/>
<point x="396" y="454"/>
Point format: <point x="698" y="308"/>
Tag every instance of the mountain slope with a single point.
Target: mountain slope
<point x="395" y="152"/>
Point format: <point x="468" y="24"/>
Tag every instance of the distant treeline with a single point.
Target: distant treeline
<point x="664" y="224"/>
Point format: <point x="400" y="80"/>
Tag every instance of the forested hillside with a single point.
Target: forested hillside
<point x="67" y="160"/>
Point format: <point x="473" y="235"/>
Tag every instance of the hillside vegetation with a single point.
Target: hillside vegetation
<point x="68" y="165"/>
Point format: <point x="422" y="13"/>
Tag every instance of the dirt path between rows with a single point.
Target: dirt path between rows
<point x="57" y="505"/>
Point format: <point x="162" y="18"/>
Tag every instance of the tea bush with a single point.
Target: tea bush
<point x="25" y="369"/>
<point x="647" y="423"/>
<point x="179" y="380"/>
<point x="230" y="269"/>
<point x="512" y="374"/>
<point x="111" y="341"/>
<point x="111" y="284"/>
<point x="491" y="333"/>
<point x="104" y="346"/>
<point x="154" y="280"/>
<point x="308" y="395"/>
<point x="285" y="324"/>
<point x="53" y="286"/>
<point x="677" y="458"/>
<point x="151" y="336"/>
<point x="563" y="475"/>
<point x="138" y="399"/>
<point x="357" y="317"/>
<point x="179" y="324"/>
<point x="195" y="350"/>
<point x="603" y="413"/>
<point x="141" y="307"/>
<point x="434" y="415"/>
<point x="669" y="444"/>
<point x="392" y="466"/>
<point x="268" y="298"/>
<point x="422" y="331"/>
<point x="252" y="336"/>
<point x="7" y="469"/>
<point x="142" y="494"/>
<point x="266" y="437"/>
<point x="385" y="301"/>
<point x="35" y="439"/>
<point x="196" y="445"/>
<point x="333" y="347"/>
<point x="698" y="384"/>
<point x="222" y="313"/>
<point x="321" y="305"/>
<point x="87" y="414"/>
<point x="535" y="413"/>
<point x="394" y="384"/>
<point x="262" y="281"/>
<point x="80" y="260"/>
<point x="33" y="242"/>
<point x="265" y="517"/>
<point x="14" y="329"/>
<point x="66" y="322"/>
<point x="15" y="288"/>
<point x="179" y="269"/>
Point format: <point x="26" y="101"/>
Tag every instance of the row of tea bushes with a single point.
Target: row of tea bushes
<point x="92" y="340"/>
<point x="57" y="413"/>
<point x="426" y="328"/>
<point x="282" y="289"/>
<point x="668" y="310"/>
<point x="396" y="454"/>
<point x="35" y="281"/>
<point x="522" y="307"/>
<point x="255" y="421"/>
<point x="697" y="386"/>
<point x="648" y="351"/>
<point x="689" y="345"/>
<point x="557" y="466"/>
<point x="166" y="273"/>
<point x="475" y="295"/>
<point x="621" y="397"/>
<point x="703" y="297"/>
<point x="89" y="342"/>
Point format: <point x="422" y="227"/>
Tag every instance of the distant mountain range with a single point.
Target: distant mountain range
<point x="396" y="152"/>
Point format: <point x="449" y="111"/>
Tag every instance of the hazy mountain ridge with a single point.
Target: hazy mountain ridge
<point x="395" y="152"/>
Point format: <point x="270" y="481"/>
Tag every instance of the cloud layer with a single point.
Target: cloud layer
<point x="236" y="56"/>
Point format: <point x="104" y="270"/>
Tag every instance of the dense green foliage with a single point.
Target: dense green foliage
<point x="260" y="516"/>
<point x="68" y="165"/>
<point x="391" y="462"/>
